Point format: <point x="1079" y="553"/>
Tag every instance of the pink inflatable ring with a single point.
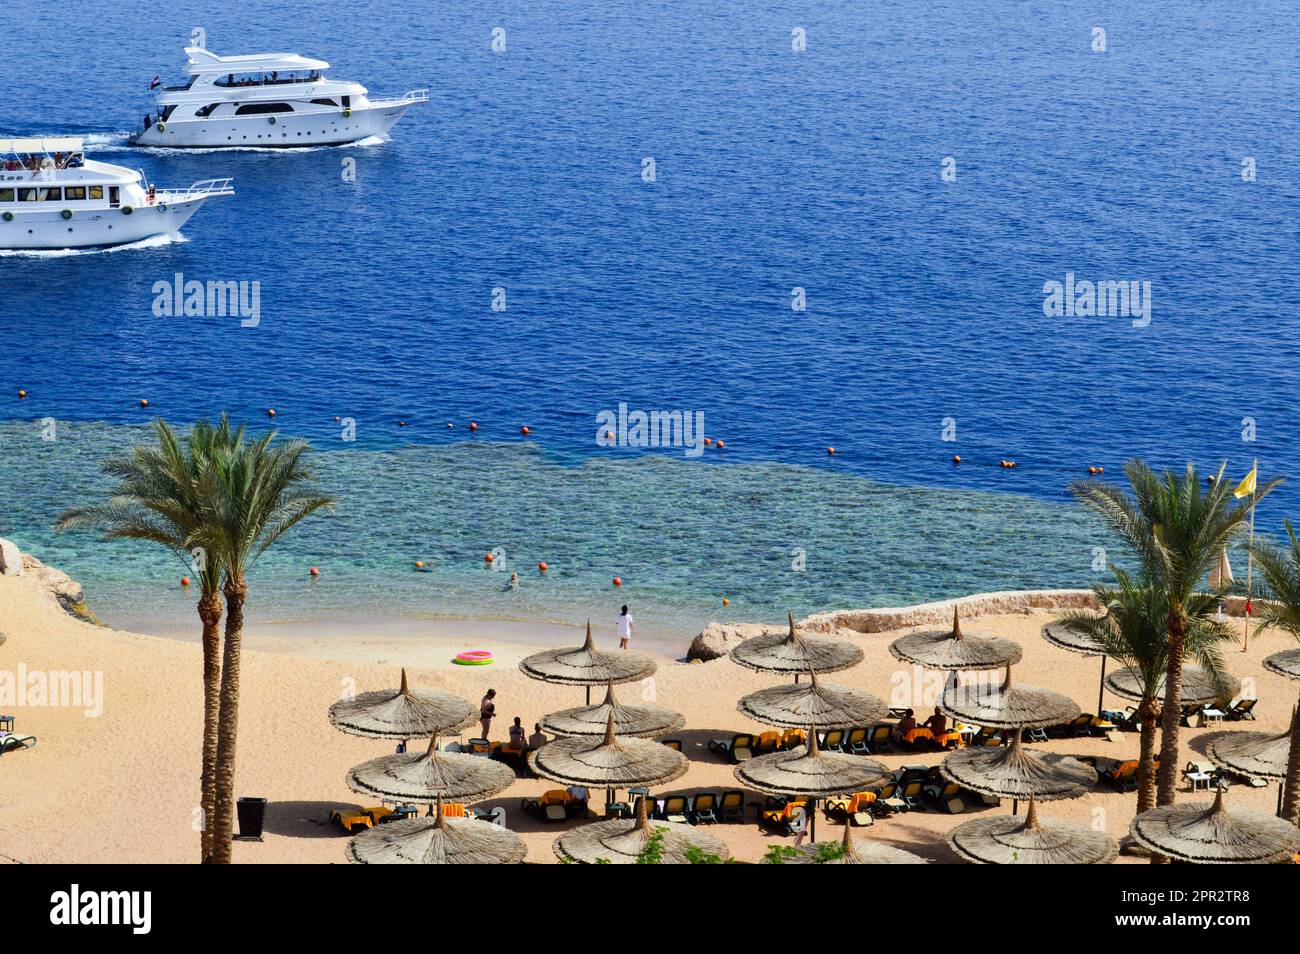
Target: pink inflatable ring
<point x="473" y="657"/>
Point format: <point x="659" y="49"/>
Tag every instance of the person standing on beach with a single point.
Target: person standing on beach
<point x="487" y="711"/>
<point x="626" y="628"/>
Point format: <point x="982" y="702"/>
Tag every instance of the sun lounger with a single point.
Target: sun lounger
<point x="675" y="809"/>
<point x="353" y="821"/>
<point x="887" y="801"/>
<point x="732" y="807"/>
<point x="739" y="748"/>
<point x="781" y="815"/>
<point x="793" y="738"/>
<point x="881" y="739"/>
<point x="1240" y="709"/>
<point x="1034" y="735"/>
<point x="704" y="809"/>
<point x="855" y="809"/>
<point x="946" y="796"/>
<point x="856" y="743"/>
<point x="1121" y="775"/>
<point x="832" y="740"/>
<point x="767" y="742"/>
<point x="674" y="744"/>
<point x="15" y="742"/>
<point x="987" y="736"/>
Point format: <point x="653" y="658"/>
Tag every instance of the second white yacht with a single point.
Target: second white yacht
<point x="278" y="100"/>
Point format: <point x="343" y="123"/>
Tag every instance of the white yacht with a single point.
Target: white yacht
<point x="53" y="197"/>
<point x="265" y="99"/>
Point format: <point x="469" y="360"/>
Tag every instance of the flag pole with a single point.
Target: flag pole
<point x="1250" y="554"/>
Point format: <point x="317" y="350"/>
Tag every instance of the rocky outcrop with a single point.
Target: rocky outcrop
<point x="718" y="639"/>
<point x="940" y="613"/>
<point x="11" y="560"/>
<point x="62" y="588"/>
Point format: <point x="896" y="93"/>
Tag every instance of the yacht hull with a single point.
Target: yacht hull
<point x="100" y="228"/>
<point x="288" y="131"/>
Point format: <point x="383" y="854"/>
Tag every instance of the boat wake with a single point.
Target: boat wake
<point x="121" y="142"/>
<point x="156" y="241"/>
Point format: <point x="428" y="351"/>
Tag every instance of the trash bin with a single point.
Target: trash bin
<point x="251" y="812"/>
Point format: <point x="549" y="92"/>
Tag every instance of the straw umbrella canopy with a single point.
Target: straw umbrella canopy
<point x="950" y="650"/>
<point x="1285" y="663"/>
<point x="424" y="776"/>
<point x="1012" y="771"/>
<point x="1197" y="687"/>
<point x="621" y="841"/>
<point x="639" y="721"/>
<point x="1063" y="637"/>
<point x="1025" y="840"/>
<point x="402" y="713"/>
<point x="797" y="705"/>
<point x="1201" y="833"/>
<point x="794" y="654"/>
<point x="436" y="840"/>
<point x="1008" y="706"/>
<point x="608" y="762"/>
<point x="587" y="666"/>
<point x="809" y="772"/>
<point x="1259" y="754"/>
<point x="859" y="851"/>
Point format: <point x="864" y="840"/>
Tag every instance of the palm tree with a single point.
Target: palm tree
<point x="1132" y="631"/>
<point x="1281" y="572"/>
<point x="259" y="490"/>
<point x="1176" y="529"/>
<point x="157" y="498"/>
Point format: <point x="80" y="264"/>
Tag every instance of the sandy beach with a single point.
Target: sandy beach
<point x="121" y="786"/>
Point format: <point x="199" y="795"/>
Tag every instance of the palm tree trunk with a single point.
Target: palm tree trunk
<point x="210" y="613"/>
<point x="1147" y="713"/>
<point x="1291" y="789"/>
<point x="1171" y="714"/>
<point x="223" y="828"/>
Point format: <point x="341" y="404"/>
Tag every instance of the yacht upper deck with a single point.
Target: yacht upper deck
<point x="206" y="63"/>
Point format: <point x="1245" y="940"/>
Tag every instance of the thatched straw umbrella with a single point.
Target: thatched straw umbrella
<point x="951" y="650"/>
<point x="1012" y="771"/>
<point x="1257" y="754"/>
<point x="1287" y="663"/>
<point x="794" y="654"/>
<point x="633" y="721"/>
<point x="1024" y="840"/>
<point x="1197" y="687"/>
<point x="1063" y="637"/>
<point x="608" y="762"/>
<point x="436" y="840"/>
<point x="620" y="841"/>
<point x="806" y="771"/>
<point x="1008" y="706"/>
<point x="424" y="776"/>
<point x="402" y="713"/>
<point x="858" y="851"/>
<point x="798" y="705"/>
<point x="1201" y="833"/>
<point x="587" y="666"/>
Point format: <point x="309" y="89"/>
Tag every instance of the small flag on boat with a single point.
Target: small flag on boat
<point x="1247" y="485"/>
<point x="156" y="82"/>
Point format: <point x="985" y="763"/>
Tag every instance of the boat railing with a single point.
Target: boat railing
<point x="413" y="96"/>
<point x="204" y="188"/>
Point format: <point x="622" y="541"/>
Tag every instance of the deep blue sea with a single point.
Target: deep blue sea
<point x="774" y="170"/>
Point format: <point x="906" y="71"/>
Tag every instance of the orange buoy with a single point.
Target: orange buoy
<point x="270" y="412"/>
<point x="1101" y="470"/>
<point x="542" y="567"/>
<point x="618" y="581"/>
<point x="956" y="458"/>
<point x="144" y="402"/>
<point x="524" y="430"/>
<point x="185" y="581"/>
<point x="609" y="435"/>
<point x="721" y="445"/>
<point x="21" y="394"/>
<point x="726" y="602"/>
<point x="315" y="572"/>
<point x="473" y="425"/>
<point x="831" y="451"/>
<point x="401" y="423"/>
<point x="488" y="558"/>
<point x="1092" y="470"/>
<point x="708" y="442"/>
<point x="419" y="564"/>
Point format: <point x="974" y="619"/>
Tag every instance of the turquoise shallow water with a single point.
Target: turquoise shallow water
<point x="682" y="534"/>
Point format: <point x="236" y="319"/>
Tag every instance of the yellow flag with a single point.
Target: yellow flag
<point x="1247" y="485"/>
